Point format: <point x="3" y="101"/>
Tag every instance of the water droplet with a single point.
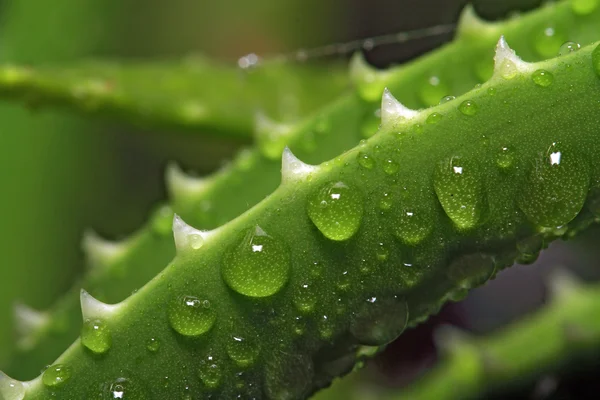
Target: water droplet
<point x="434" y="118"/>
<point x="584" y="7"/>
<point x="382" y="252"/>
<point x="472" y="270"/>
<point x="56" y="375"/>
<point x="191" y="316"/>
<point x="336" y="209"/>
<point x="458" y="185"/>
<point x="390" y="167"/>
<point x="243" y="350"/>
<point x="326" y="327"/>
<point x="508" y="69"/>
<point x="289" y="378"/>
<point x="365" y="160"/>
<point x="505" y="157"/>
<point x="210" y="372"/>
<point x="596" y="60"/>
<point x="568" y="47"/>
<point x="378" y="321"/>
<point x="153" y="345"/>
<point x="468" y="107"/>
<point x="542" y="78"/>
<point x="556" y="188"/>
<point x="11" y="389"/>
<point x="446" y="99"/>
<point x="96" y="336"/>
<point x="413" y="223"/>
<point x="433" y="90"/>
<point x="162" y="221"/>
<point x="547" y="42"/>
<point x="305" y="298"/>
<point x="298" y="326"/>
<point x="529" y="249"/>
<point x="124" y="389"/>
<point x="385" y="203"/>
<point x="258" y="266"/>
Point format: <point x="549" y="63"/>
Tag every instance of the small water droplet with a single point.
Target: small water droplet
<point x="568" y="47"/>
<point x="243" y="350"/>
<point x="432" y="90"/>
<point x="305" y="298"/>
<point x="390" y="167"/>
<point x="326" y="327"/>
<point x="257" y="266"/>
<point x="556" y="188"/>
<point x="385" y="203"/>
<point x="508" y="69"/>
<point x="298" y="326"/>
<point x="56" y="375"/>
<point x="124" y="389"/>
<point x="446" y="99"/>
<point x="584" y="7"/>
<point x="365" y="160"/>
<point x="542" y="78"/>
<point x="195" y="241"/>
<point x="191" y="316"/>
<point x="471" y="270"/>
<point x="414" y="223"/>
<point x="382" y="252"/>
<point x="492" y="91"/>
<point x="505" y="157"/>
<point x="336" y="209"/>
<point x="96" y="336"/>
<point x="434" y="118"/>
<point x="548" y="40"/>
<point x="210" y="372"/>
<point x="379" y="321"/>
<point x="153" y="345"/>
<point x="468" y="107"/>
<point x="529" y="249"/>
<point x="459" y="188"/>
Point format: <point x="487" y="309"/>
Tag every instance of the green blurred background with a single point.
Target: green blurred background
<point x="62" y="174"/>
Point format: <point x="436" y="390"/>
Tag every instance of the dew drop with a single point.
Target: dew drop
<point x="584" y="7"/>
<point x="243" y="350"/>
<point x="542" y="78"/>
<point x="326" y="327"/>
<point x="413" y="223"/>
<point x="432" y="90"/>
<point x="96" y="336"/>
<point x="458" y="185"/>
<point x="508" y="69"/>
<point x="472" y="270"/>
<point x="379" y="321"/>
<point x="365" y="160"/>
<point x="56" y="375"/>
<point x="446" y="99"/>
<point x="468" y="107"/>
<point x="390" y="167"/>
<point x="556" y="188"/>
<point x="305" y="298"/>
<point x="153" y="345"/>
<point x="385" y="203"/>
<point x="191" y="316"/>
<point x="568" y="47"/>
<point x="596" y="60"/>
<point x="434" y="118"/>
<point x="529" y="249"/>
<point x="124" y="389"/>
<point x="505" y="157"/>
<point x="336" y="209"/>
<point x="547" y="42"/>
<point x="210" y="372"/>
<point x="258" y="266"/>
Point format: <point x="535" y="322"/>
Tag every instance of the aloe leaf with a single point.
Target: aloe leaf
<point x="276" y="303"/>
<point x="191" y="95"/>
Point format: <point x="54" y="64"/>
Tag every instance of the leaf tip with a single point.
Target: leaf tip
<point x="93" y="308"/>
<point x="392" y="110"/>
<point x="506" y="62"/>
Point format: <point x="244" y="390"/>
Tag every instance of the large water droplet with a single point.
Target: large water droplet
<point x="210" y="372"/>
<point x="258" y="266"/>
<point x="471" y="270"/>
<point x="56" y="375"/>
<point x="191" y="316"/>
<point x="556" y="188"/>
<point x="568" y="47"/>
<point x="542" y="78"/>
<point x="378" y="321"/>
<point x="584" y="7"/>
<point x="458" y="185"/>
<point x="596" y="60"/>
<point x="243" y="349"/>
<point x="96" y="336"/>
<point x="336" y="209"/>
<point x="432" y="91"/>
<point x="548" y="40"/>
<point x="290" y="378"/>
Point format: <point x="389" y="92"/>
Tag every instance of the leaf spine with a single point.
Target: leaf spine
<point x="187" y="237"/>
<point x="506" y="62"/>
<point x="393" y="111"/>
<point x="28" y="321"/>
<point x="93" y="308"/>
<point x="182" y="185"/>
<point x="562" y="283"/>
<point x="470" y="23"/>
<point x="265" y="127"/>
<point x="293" y="169"/>
<point x="101" y="252"/>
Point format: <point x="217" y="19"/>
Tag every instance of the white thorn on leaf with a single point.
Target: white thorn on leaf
<point x="99" y="251"/>
<point x="392" y="110"/>
<point x="562" y="283"/>
<point x="267" y="127"/>
<point x="93" y="308"/>
<point x="292" y="168"/>
<point x="470" y="22"/>
<point x="28" y="320"/>
<point x="180" y="184"/>
<point x="11" y="389"/>
<point x="448" y="338"/>
<point x="506" y="62"/>
<point x="186" y="236"/>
